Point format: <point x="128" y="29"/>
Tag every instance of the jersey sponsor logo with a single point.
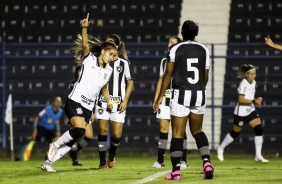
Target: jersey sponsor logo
<point x="113" y="99"/>
<point x="168" y="93"/>
<point x="86" y="100"/>
<point x="49" y="120"/>
<point x="79" y="110"/>
<point x="119" y="69"/>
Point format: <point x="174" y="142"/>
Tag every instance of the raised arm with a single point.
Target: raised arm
<point x="269" y="42"/>
<point x="84" y="24"/>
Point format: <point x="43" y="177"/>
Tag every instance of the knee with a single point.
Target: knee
<point x="258" y="130"/>
<point x="77" y="132"/>
<point x="103" y="131"/>
<point x="234" y="134"/>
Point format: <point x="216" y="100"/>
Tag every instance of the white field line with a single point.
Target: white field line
<point x="151" y="177"/>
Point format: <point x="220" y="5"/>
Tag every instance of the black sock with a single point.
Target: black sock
<point x="203" y="146"/>
<point x="162" y="146"/>
<point x="114" y="146"/>
<point x="176" y="147"/>
<point x="102" y="146"/>
<point x="184" y="155"/>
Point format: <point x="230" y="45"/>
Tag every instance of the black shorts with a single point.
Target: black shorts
<point x="242" y="120"/>
<point x="43" y="132"/>
<point x="73" y="108"/>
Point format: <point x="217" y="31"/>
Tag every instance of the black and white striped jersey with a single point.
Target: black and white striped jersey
<point x="122" y="72"/>
<point x="92" y="78"/>
<point x="191" y="59"/>
<point x="167" y="95"/>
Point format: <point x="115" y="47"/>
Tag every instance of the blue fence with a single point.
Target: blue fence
<point x="144" y="56"/>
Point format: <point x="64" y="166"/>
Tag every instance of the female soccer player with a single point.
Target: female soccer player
<point x="120" y="88"/>
<point x="188" y="68"/>
<point x="163" y="115"/>
<point x="95" y="74"/>
<point x="245" y="112"/>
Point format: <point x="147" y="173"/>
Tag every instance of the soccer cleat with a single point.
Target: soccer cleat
<point x="52" y="151"/>
<point x="183" y="165"/>
<point x="111" y="164"/>
<point x="47" y="167"/>
<point x="158" y="165"/>
<point x="174" y="176"/>
<point x="77" y="163"/>
<point x="102" y="167"/>
<point x="261" y="159"/>
<point x="220" y="153"/>
<point x="208" y="170"/>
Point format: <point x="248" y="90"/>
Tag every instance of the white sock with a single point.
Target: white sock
<point x="226" y="141"/>
<point x="258" y="145"/>
<point x="65" y="138"/>
<point x="61" y="152"/>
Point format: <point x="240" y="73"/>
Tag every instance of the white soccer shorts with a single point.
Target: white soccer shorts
<point x="101" y="113"/>
<point x="163" y="112"/>
<point x="179" y="110"/>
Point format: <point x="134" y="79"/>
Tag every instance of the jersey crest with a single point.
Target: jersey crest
<point x="119" y="69"/>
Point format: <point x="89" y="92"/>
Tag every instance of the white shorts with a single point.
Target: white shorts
<point x="182" y="111"/>
<point x="163" y="112"/>
<point x="101" y="113"/>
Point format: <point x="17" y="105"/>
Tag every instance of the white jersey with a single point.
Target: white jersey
<point x="167" y="95"/>
<point x="92" y="78"/>
<point x="117" y="85"/>
<point x="248" y="90"/>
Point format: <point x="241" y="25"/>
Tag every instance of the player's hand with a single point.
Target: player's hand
<point x="85" y="22"/>
<point x="123" y="106"/>
<point x="268" y="41"/>
<point x="258" y="101"/>
<point x="109" y="106"/>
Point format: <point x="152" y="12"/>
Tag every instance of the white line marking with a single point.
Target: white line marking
<point x="152" y="177"/>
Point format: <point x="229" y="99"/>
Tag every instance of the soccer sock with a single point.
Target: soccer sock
<point x="61" y="152"/>
<point x="73" y="152"/>
<point x="184" y="155"/>
<point x="258" y="145"/>
<point x="114" y="146"/>
<point x="226" y="141"/>
<point x="72" y="134"/>
<point x="203" y="146"/>
<point x="82" y="143"/>
<point x="162" y="146"/>
<point x="102" y="146"/>
<point x="176" y="151"/>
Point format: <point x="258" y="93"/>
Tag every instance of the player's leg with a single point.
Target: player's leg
<point x="88" y="136"/>
<point x="163" y="115"/>
<point x="257" y="127"/>
<point x="195" y="123"/>
<point x="237" y="128"/>
<point x="184" y="163"/>
<point x="117" y="121"/>
<point x="102" y="142"/>
<point x="178" y="125"/>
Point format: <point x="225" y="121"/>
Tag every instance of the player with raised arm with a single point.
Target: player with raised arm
<point x="95" y="74"/>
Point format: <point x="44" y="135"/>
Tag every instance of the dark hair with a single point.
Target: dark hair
<point x="121" y="47"/>
<point x="243" y="69"/>
<point x="189" y="30"/>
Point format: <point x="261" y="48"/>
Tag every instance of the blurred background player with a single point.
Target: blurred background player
<point x="269" y="42"/>
<point x="45" y="122"/>
<point x="245" y="112"/>
<point x="163" y="115"/>
<point x="120" y="88"/>
<point x="188" y="68"/>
